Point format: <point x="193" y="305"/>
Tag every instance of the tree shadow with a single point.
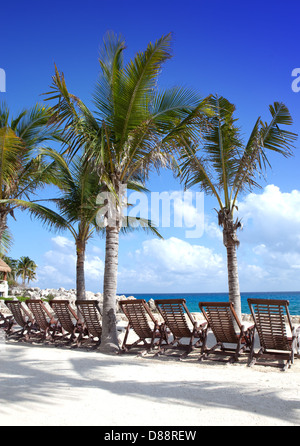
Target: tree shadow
<point x="39" y="381"/>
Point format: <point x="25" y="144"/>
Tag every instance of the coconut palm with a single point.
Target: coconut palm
<point x="22" y="169"/>
<point x="77" y="204"/>
<point x="132" y="131"/>
<point x="26" y="269"/>
<point x="224" y="166"/>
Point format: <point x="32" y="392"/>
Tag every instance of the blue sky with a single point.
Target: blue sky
<point x="243" y="51"/>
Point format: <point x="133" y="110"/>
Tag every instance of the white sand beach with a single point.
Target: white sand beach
<point x="45" y="386"/>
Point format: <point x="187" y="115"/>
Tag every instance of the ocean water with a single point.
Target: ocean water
<point x="192" y="299"/>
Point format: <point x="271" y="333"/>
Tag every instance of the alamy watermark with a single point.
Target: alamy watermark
<point x="177" y="209"/>
<point x="296" y="82"/>
<point x="2" y="81"/>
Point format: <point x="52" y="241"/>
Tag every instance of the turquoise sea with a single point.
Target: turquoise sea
<point x="192" y="299"/>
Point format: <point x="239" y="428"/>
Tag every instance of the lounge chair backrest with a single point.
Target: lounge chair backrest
<point x="40" y="313"/>
<point x="269" y="317"/>
<point x="174" y="312"/>
<point x="221" y="317"/>
<point x="139" y="315"/>
<point x="65" y="314"/>
<point x="19" y="312"/>
<point x="91" y="313"/>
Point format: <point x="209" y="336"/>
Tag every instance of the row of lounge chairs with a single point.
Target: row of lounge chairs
<point x="36" y="323"/>
<point x="177" y="328"/>
<point x="271" y="320"/>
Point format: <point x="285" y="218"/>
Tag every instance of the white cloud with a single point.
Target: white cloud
<point x="50" y="276"/>
<point x="272" y="231"/>
<point x="180" y="256"/>
<point x="63" y="242"/>
<point x="272" y="217"/>
<point x="173" y="265"/>
<point x="94" y="267"/>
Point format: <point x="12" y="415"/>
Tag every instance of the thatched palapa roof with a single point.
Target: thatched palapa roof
<point x="4" y="267"/>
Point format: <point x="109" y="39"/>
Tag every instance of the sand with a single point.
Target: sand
<point x="48" y="386"/>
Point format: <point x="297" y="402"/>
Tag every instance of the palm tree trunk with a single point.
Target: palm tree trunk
<point x="80" y="278"/>
<point x="3" y="224"/>
<point x="3" y="221"/>
<point x="231" y="242"/>
<point x="109" y="338"/>
<point x="233" y="278"/>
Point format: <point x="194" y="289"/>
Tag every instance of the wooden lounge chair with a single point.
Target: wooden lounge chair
<point x="271" y="318"/>
<point x="49" y="326"/>
<point x="22" y="318"/>
<point x="143" y="323"/>
<point x="72" y="328"/>
<point x="91" y="313"/>
<point x="6" y="322"/>
<point x="179" y="321"/>
<point x="227" y="329"/>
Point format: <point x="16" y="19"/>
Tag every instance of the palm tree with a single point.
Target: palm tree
<point x="224" y="166"/>
<point x="132" y="131"/>
<point x="26" y="269"/>
<point x="77" y="204"/>
<point x="22" y="169"/>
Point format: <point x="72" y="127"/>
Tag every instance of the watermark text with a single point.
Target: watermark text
<point x="2" y="81"/>
<point x="165" y="209"/>
<point x="296" y="82"/>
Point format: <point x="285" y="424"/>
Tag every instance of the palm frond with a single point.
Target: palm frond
<point x="10" y="148"/>
<point x="6" y="242"/>
<point x="263" y="137"/>
<point x="273" y="137"/>
<point x="47" y="216"/>
<point x="130" y="224"/>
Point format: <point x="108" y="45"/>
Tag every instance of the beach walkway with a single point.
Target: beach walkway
<point x="46" y="386"/>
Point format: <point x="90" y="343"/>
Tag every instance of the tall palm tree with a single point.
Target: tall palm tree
<point x="26" y="268"/>
<point x="77" y="204"/>
<point x="132" y="131"/>
<point x="22" y="169"/>
<point x="224" y="166"/>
